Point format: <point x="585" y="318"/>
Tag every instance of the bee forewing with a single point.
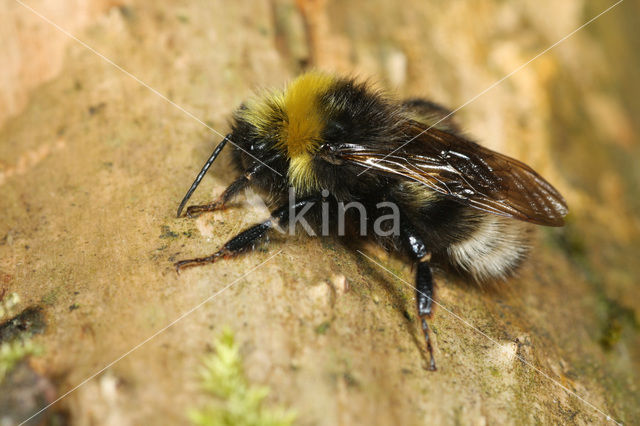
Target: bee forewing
<point x="465" y="171"/>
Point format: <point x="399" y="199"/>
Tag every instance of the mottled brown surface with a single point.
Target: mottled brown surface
<point x="92" y="169"/>
<point x="33" y="50"/>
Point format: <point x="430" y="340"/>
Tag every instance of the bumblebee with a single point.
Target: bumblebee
<point x="336" y="140"/>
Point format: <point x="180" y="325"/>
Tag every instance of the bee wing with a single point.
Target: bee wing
<point x="465" y="171"/>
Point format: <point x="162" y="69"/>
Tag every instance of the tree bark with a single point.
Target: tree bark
<point x="93" y="168"/>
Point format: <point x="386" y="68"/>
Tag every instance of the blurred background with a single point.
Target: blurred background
<point x="94" y="158"/>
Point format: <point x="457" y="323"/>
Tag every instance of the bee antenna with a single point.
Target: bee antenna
<point x="206" y="166"/>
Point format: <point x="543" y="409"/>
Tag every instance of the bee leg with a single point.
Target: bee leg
<point x="241" y="242"/>
<point x="424" y="281"/>
<point x="424" y="300"/>
<point x="248" y="238"/>
<point x="231" y="191"/>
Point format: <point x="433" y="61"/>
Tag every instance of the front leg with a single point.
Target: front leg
<point x="232" y="190"/>
<point x="228" y="194"/>
<point x="248" y="238"/>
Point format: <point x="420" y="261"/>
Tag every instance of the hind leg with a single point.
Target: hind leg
<point x="424" y="281"/>
<point x="424" y="301"/>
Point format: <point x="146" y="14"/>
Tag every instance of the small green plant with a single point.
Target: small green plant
<point x="13" y="351"/>
<point x="7" y="305"/>
<point x="236" y="402"/>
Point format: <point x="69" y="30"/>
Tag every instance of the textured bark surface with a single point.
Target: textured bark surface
<point x="33" y="50"/>
<point x="92" y="169"/>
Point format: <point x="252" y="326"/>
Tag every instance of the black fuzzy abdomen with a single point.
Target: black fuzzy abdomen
<point x="444" y="222"/>
<point x="439" y="220"/>
<point x="479" y="244"/>
<point x="482" y="245"/>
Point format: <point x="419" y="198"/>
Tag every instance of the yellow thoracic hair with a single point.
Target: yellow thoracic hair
<point x="299" y="131"/>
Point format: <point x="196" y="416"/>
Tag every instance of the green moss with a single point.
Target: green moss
<point x="494" y="371"/>
<point x="50" y="297"/>
<point x="350" y="379"/>
<point x="323" y="327"/>
<point x="617" y="317"/>
<point x="11" y="353"/>
<point x="613" y="317"/>
<point x="14" y="346"/>
<point x="168" y="233"/>
<point x="235" y="402"/>
<point x="7" y="305"/>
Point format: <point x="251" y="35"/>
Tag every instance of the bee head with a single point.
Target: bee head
<point x="315" y="112"/>
<point x="293" y="120"/>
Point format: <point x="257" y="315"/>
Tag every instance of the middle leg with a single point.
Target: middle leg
<point x="248" y="238"/>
